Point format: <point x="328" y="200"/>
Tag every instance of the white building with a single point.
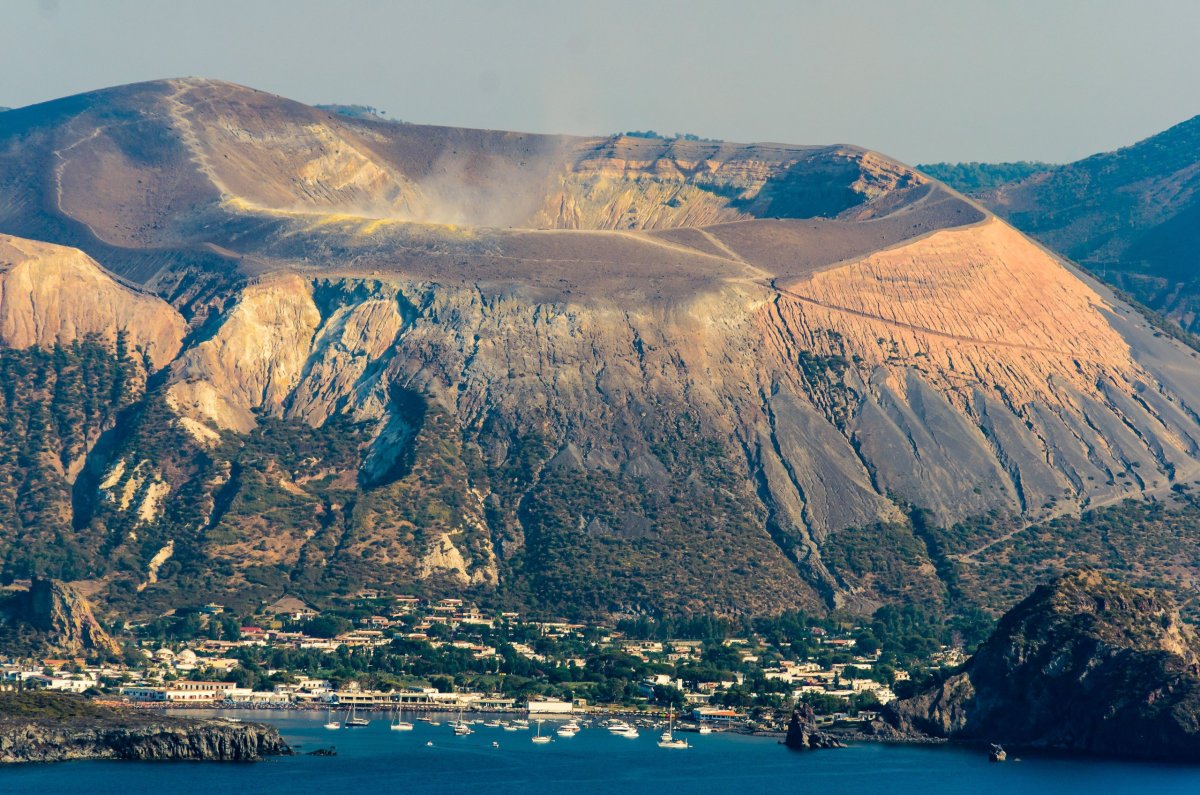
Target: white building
<point x="550" y="706"/>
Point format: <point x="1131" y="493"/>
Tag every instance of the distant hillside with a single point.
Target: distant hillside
<point x="1131" y="216"/>
<point x="974" y="176"/>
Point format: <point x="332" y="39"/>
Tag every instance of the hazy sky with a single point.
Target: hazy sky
<point x="922" y="81"/>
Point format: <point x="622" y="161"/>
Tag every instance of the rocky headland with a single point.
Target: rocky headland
<point x="52" y="727"/>
<point x="1084" y="665"/>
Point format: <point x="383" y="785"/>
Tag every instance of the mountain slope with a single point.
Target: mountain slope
<point x="631" y="375"/>
<point x="1132" y="215"/>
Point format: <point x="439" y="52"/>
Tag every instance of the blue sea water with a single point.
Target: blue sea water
<point x="374" y="760"/>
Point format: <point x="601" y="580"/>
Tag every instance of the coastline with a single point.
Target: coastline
<point x="40" y="727"/>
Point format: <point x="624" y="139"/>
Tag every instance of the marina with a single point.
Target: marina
<point x="431" y="759"/>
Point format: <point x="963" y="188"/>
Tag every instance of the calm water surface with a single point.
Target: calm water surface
<point x="374" y="759"/>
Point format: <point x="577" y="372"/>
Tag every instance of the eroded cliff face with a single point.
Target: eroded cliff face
<point x="963" y="372"/>
<point x="55" y="295"/>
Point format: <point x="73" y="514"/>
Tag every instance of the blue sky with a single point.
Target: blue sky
<point x="921" y="80"/>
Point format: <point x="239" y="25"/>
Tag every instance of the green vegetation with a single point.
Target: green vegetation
<point x="974" y="176"/>
<point x="676" y="137"/>
<point x="54" y="404"/>
<point x="49" y="705"/>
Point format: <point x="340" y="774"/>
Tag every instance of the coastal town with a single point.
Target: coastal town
<point x="388" y="652"/>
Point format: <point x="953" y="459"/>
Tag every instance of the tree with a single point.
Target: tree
<point x="326" y="626"/>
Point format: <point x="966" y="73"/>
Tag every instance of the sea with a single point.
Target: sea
<point x="430" y="759"/>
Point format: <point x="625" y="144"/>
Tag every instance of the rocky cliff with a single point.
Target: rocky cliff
<point x="52" y="295"/>
<point x="51" y="617"/>
<point x="53" y="728"/>
<point x="1084" y="664"/>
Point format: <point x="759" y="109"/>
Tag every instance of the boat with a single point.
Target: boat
<point x="667" y="738"/>
<point x="462" y="728"/>
<point x="630" y="733"/>
<point x="508" y="727"/>
<point x="401" y="725"/>
<point x="353" y="721"/>
<point x="705" y="728"/>
<point x="539" y="738"/>
<point x="618" y="726"/>
<point x="566" y="730"/>
<point x="330" y="723"/>
<point x="492" y="724"/>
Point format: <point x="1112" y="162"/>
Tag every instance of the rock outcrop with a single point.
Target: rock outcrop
<point x="1085" y="664"/>
<point x="803" y="734"/>
<point x="55" y="295"/>
<point x="43" y="727"/>
<point x="52" y="617"/>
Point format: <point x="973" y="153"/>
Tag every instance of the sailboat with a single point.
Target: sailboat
<point x="352" y="721"/>
<point x="539" y="738"/>
<point x="462" y="729"/>
<point x="330" y="723"/>
<point x="401" y="725"/>
<point x="667" y="738"/>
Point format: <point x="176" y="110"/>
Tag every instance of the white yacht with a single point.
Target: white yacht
<point x="618" y="726"/>
<point x="539" y="738"/>
<point x="330" y="723"/>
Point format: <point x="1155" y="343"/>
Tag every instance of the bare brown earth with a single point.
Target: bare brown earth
<point x="1131" y="216"/>
<point x="615" y="373"/>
